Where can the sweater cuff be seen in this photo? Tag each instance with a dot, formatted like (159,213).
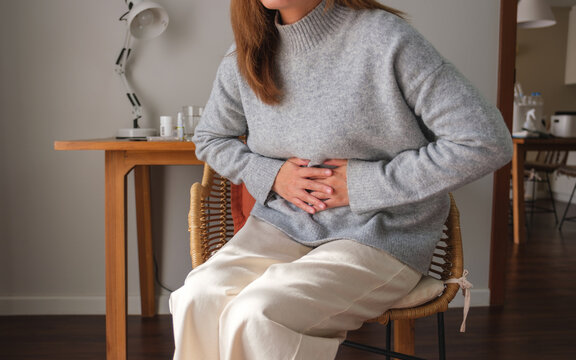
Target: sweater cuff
(260,177)
(362,181)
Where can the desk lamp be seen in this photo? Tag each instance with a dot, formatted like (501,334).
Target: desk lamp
(144,20)
(534,14)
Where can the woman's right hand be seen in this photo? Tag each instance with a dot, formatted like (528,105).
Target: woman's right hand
(294,183)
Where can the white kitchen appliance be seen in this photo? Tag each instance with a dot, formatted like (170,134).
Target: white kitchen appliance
(563,124)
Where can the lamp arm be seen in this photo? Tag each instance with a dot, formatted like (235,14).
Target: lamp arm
(121,62)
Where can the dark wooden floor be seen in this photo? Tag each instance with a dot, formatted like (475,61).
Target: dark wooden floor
(538,320)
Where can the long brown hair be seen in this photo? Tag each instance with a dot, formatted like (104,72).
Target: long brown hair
(256,39)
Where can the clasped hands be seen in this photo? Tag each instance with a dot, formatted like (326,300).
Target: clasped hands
(313,189)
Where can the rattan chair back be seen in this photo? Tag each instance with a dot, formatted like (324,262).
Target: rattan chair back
(547,160)
(210,217)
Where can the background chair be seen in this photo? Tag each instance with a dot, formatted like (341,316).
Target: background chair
(216,204)
(570,171)
(546,162)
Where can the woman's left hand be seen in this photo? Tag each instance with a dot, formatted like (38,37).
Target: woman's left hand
(338,182)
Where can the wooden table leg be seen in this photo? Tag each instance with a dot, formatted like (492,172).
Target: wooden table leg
(404,336)
(145,251)
(115,255)
(518,194)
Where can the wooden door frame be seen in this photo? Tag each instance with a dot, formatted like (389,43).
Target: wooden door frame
(501,187)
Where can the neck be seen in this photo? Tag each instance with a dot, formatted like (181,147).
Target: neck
(290,15)
(312,29)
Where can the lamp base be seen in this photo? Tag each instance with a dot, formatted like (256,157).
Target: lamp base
(137,134)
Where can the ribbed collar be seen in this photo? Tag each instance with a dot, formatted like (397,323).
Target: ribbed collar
(312,29)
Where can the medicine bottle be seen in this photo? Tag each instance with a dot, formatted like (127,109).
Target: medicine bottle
(166,126)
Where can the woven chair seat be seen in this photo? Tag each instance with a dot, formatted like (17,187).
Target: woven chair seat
(547,160)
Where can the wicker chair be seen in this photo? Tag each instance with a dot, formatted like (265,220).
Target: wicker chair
(211,226)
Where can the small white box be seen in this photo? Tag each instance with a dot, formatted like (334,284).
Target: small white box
(563,125)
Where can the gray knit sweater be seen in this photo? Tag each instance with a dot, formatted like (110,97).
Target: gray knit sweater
(361,85)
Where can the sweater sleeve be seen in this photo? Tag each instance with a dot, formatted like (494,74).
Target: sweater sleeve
(217,137)
(470,140)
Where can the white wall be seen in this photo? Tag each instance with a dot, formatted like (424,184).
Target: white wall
(58,82)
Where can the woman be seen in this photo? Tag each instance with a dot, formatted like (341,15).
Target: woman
(357,130)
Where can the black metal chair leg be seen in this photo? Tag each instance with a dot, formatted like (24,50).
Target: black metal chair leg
(390,354)
(567,207)
(533,201)
(552,198)
(441,337)
(388,338)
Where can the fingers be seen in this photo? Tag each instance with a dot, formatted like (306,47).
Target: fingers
(311,205)
(309,194)
(312,189)
(315,173)
(331,201)
(336,162)
(321,195)
(316,186)
(299,162)
(338,182)
(307,202)
(293,183)
(335,202)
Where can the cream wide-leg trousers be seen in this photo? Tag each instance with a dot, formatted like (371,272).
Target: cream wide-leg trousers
(264,296)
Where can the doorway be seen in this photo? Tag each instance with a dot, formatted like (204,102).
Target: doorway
(506,80)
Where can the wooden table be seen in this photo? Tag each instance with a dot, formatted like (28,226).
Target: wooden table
(521,146)
(121,156)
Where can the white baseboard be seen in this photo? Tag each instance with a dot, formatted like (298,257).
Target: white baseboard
(95,305)
(478,297)
(71,305)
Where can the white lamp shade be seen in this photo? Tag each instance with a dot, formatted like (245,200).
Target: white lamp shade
(147,20)
(534,14)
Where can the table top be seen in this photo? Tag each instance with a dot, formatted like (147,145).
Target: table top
(545,141)
(122,144)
